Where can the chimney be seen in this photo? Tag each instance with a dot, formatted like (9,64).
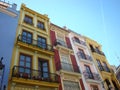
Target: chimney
(14,6)
(64,27)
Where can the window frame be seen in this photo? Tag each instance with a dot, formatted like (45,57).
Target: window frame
(26,40)
(26,55)
(41,43)
(90,74)
(40,25)
(77,39)
(82,55)
(28,18)
(41,72)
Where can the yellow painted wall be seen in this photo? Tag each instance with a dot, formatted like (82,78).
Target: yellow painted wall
(35,54)
(102,58)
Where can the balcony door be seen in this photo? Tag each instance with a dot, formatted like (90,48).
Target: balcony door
(26,37)
(106,67)
(100,65)
(25,63)
(43,68)
(88,71)
(65,61)
(82,54)
(41,42)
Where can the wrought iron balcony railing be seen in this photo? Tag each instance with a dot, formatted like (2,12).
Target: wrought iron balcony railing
(28,73)
(98,52)
(34,43)
(93,76)
(62,43)
(104,68)
(80,42)
(85,57)
(67,67)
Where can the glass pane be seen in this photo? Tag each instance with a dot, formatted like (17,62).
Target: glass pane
(21,69)
(22,57)
(21,63)
(29,35)
(45,75)
(44,64)
(24,33)
(27,70)
(27,64)
(45,69)
(28,59)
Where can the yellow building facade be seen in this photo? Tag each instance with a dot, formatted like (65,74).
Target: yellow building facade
(32,64)
(109,80)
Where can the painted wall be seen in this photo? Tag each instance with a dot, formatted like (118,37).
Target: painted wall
(8,25)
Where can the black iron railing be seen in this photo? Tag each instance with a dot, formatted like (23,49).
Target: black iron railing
(28,73)
(93,76)
(85,57)
(34,43)
(67,67)
(62,43)
(104,68)
(98,52)
(80,42)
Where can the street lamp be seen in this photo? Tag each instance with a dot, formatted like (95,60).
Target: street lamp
(2,67)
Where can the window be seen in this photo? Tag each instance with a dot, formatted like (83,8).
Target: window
(60,40)
(25,63)
(69,85)
(41,42)
(106,67)
(88,71)
(41,25)
(97,50)
(91,47)
(43,68)
(27,37)
(66,62)
(82,54)
(77,39)
(99,65)
(94,87)
(28,20)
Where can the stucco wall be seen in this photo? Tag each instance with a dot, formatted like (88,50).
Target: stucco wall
(8,25)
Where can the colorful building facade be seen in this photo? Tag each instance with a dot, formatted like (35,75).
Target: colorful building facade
(32,64)
(90,75)
(8,24)
(65,61)
(118,73)
(109,79)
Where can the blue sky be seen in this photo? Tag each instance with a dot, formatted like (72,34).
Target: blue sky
(97,19)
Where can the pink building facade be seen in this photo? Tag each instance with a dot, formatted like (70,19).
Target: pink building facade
(90,76)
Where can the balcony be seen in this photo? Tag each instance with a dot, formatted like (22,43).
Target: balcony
(79,42)
(62,43)
(93,76)
(84,57)
(104,68)
(33,44)
(98,52)
(67,67)
(31,74)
